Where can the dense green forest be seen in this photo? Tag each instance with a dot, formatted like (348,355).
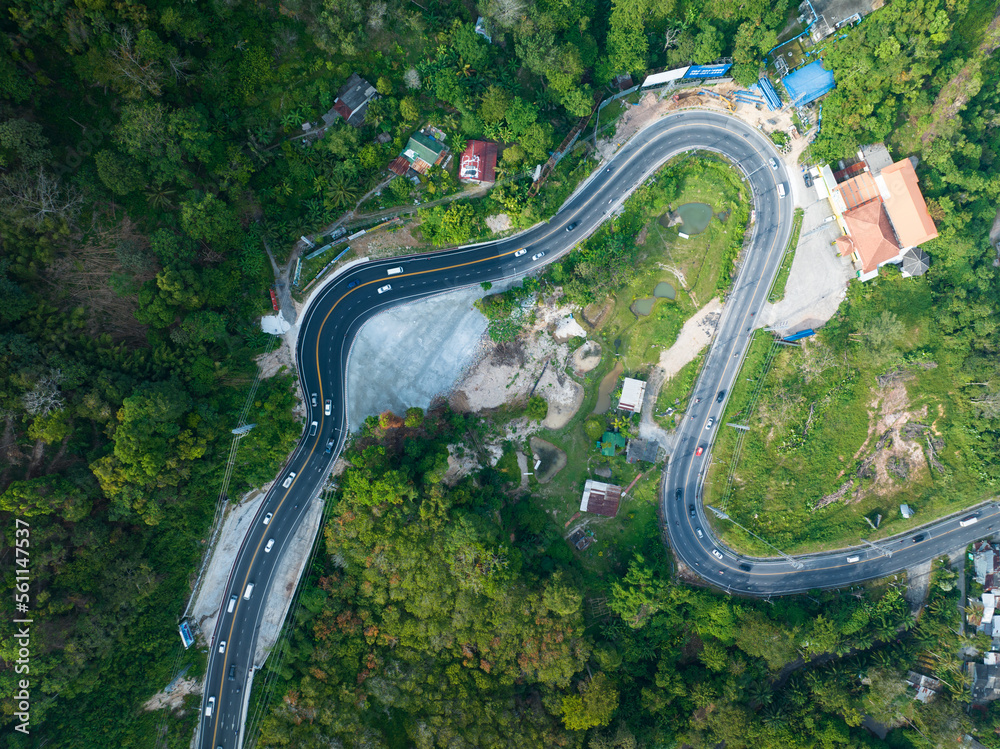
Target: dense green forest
(458,616)
(146,158)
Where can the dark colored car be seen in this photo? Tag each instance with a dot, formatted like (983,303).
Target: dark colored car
(745,567)
(572,226)
(720,396)
(353,283)
(691,510)
(232,672)
(679,494)
(918,538)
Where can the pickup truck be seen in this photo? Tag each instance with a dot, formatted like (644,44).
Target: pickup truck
(329,447)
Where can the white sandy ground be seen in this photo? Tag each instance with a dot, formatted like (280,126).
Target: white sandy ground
(536,364)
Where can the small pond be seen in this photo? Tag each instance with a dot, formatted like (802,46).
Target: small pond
(694,217)
(607,387)
(642,307)
(664,290)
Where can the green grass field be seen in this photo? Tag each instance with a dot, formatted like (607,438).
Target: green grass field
(824,421)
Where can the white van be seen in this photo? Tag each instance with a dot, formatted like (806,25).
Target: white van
(781,189)
(232,604)
(852,560)
(249,592)
(312,428)
(395,271)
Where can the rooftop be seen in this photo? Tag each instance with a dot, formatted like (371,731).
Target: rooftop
(870,236)
(478,162)
(858,190)
(906,206)
(600,498)
(632,394)
(352,101)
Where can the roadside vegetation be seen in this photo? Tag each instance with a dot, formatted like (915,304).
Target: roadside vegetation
(147,153)
(878,410)
(778,288)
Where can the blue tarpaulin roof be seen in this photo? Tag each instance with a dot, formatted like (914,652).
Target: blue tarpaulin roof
(808,83)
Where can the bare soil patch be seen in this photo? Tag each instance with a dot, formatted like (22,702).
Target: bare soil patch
(899,448)
(594,314)
(535,363)
(586,358)
(173,699)
(694,336)
(388,242)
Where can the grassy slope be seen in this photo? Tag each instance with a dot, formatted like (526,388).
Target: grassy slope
(785,469)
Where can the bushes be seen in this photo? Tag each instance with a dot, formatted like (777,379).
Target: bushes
(538,408)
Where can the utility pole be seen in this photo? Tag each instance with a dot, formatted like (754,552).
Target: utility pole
(788,558)
(883,550)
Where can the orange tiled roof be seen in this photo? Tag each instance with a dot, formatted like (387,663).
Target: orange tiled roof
(871,235)
(858,190)
(906,206)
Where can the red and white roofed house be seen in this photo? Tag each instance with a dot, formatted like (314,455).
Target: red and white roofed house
(881,209)
(600,498)
(478,162)
(632,395)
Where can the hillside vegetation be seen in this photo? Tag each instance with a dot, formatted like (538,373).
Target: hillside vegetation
(150,155)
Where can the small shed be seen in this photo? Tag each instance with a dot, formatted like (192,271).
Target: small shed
(600,498)
(905,511)
(633,392)
(610,443)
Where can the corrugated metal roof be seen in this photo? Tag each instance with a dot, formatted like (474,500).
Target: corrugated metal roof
(600,498)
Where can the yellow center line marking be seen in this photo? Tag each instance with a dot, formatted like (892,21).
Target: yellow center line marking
(320,387)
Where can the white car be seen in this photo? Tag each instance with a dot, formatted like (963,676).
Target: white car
(538,256)
(267,518)
(699,533)
(222,646)
(327,407)
(270,545)
(383,289)
(711,420)
(774,165)
(717,554)
(314,400)
(520,252)
(288,481)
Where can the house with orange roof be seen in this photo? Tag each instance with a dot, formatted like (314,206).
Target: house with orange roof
(882,211)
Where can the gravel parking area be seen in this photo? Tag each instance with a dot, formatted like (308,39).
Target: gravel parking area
(818,280)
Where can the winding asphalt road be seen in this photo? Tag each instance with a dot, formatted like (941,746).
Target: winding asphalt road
(338,312)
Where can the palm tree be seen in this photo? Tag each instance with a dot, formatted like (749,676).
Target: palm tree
(341,193)
(159,196)
(774,717)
